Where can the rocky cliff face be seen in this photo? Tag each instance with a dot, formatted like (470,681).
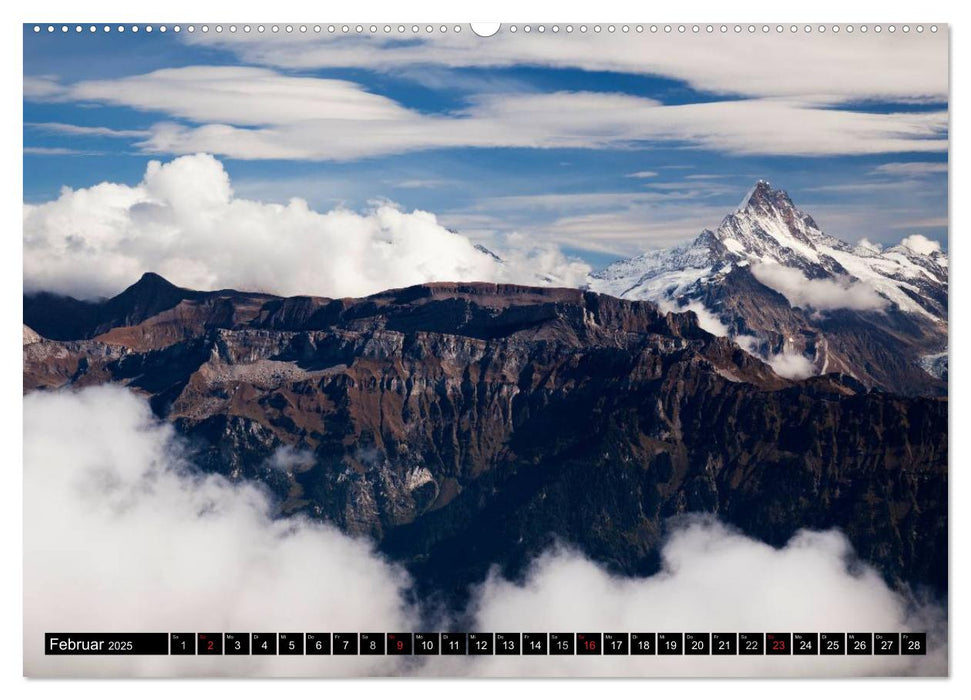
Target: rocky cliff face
(466,425)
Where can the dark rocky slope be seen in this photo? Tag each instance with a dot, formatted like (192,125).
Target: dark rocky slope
(465,425)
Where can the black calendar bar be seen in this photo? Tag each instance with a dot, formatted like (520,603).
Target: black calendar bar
(487,643)
(98,644)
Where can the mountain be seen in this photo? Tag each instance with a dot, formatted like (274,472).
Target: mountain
(60,318)
(469,425)
(804,301)
(31,336)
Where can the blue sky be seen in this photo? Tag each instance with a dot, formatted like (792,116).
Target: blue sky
(603,146)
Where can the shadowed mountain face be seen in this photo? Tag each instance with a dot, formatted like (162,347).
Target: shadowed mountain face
(466,425)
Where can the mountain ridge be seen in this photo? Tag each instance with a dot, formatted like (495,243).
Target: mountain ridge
(804,283)
(463,425)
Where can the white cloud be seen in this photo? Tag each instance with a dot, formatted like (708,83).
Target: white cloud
(55,151)
(287,458)
(922,245)
(121,535)
(707,320)
(856,188)
(240,95)
(76,130)
(788,363)
(875,66)
(416,184)
(631,229)
(643,174)
(819,294)
(616,222)
(184,222)
(574,120)
(869,245)
(258,113)
(42,87)
(929,222)
(879,215)
(712,579)
(791,364)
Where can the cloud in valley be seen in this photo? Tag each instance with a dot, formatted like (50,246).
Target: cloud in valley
(712,579)
(791,364)
(788,362)
(707,320)
(819,294)
(184,222)
(121,534)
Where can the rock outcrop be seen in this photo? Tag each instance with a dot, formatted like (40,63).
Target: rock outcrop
(467,425)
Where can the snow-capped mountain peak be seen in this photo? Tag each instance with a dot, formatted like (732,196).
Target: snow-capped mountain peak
(763,197)
(783,251)
(768,229)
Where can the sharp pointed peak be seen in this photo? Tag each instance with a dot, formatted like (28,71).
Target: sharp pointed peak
(763,196)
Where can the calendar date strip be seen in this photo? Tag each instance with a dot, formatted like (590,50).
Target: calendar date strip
(487,643)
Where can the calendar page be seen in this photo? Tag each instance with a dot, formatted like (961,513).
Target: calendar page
(494,350)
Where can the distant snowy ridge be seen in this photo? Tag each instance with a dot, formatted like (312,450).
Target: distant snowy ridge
(767,229)
(901,291)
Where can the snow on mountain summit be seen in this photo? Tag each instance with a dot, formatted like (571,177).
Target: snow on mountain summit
(801,300)
(767,229)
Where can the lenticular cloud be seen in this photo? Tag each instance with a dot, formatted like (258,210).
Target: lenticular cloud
(184,222)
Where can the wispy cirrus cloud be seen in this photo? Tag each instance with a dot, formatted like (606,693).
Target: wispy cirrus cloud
(388,116)
(79,130)
(856,219)
(256,113)
(56,151)
(42,87)
(936,222)
(828,66)
(418,183)
(914,169)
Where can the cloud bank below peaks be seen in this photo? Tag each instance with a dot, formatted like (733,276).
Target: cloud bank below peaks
(184,222)
(712,579)
(818,294)
(122,534)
